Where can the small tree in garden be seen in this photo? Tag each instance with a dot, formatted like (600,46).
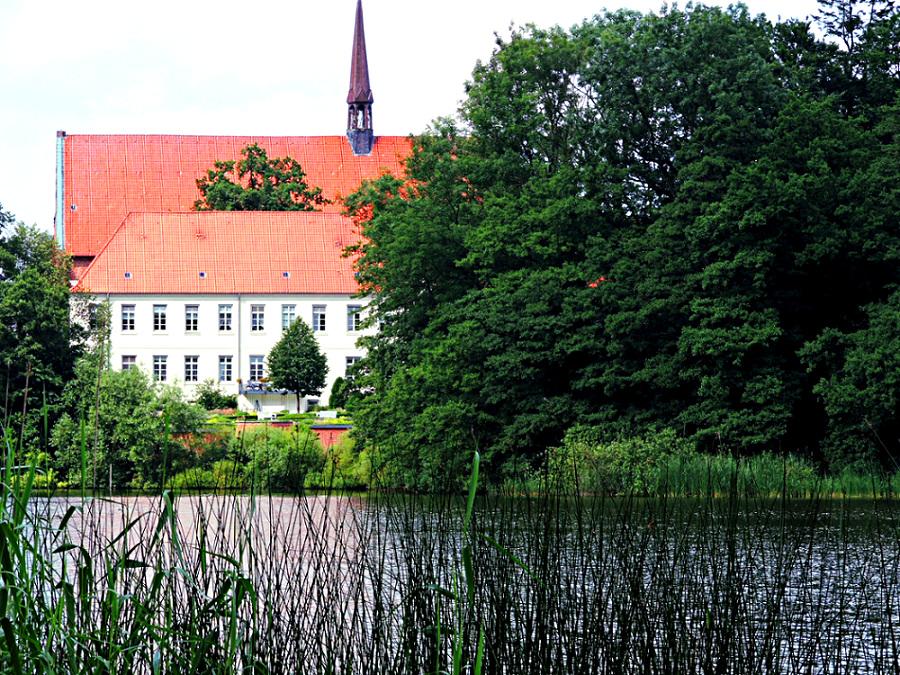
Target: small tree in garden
(296,363)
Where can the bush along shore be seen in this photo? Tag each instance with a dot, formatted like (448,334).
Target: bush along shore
(551,582)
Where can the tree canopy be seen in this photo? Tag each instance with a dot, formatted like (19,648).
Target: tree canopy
(131,429)
(39,341)
(257,183)
(296,363)
(686,220)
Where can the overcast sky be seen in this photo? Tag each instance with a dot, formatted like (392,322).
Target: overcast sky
(279,67)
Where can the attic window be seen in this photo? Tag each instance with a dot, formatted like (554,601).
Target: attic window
(127,275)
(202,275)
(286,275)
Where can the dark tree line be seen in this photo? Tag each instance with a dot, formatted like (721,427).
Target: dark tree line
(39,342)
(686,220)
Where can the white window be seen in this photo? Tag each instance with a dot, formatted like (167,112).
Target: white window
(288,314)
(354,317)
(224,317)
(127,317)
(159,317)
(318,322)
(257,317)
(225,369)
(349,363)
(191,316)
(256,368)
(190,368)
(129,362)
(159,368)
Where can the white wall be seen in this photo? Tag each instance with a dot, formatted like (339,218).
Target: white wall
(208,343)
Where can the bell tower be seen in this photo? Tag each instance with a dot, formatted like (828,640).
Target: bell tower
(359,99)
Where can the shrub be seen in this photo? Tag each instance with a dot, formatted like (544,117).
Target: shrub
(590,462)
(344,467)
(221,475)
(279,459)
(211,396)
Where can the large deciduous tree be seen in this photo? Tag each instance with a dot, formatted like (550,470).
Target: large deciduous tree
(257,183)
(687,220)
(296,363)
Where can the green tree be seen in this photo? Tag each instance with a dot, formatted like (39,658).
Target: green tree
(646,222)
(860,388)
(296,363)
(119,423)
(6,258)
(39,338)
(489,268)
(339,393)
(257,183)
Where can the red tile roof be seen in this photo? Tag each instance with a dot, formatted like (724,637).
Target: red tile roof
(237,251)
(108,177)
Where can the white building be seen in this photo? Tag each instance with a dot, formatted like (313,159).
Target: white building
(206,295)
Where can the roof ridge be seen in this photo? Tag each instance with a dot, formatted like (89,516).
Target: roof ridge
(251,136)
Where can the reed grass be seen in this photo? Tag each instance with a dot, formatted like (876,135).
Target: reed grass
(659,467)
(547,583)
(743,576)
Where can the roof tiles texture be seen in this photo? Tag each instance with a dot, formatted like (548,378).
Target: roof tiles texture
(109,176)
(225,252)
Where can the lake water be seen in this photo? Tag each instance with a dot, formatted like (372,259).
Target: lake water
(558,585)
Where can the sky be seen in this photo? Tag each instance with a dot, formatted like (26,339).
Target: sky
(279,67)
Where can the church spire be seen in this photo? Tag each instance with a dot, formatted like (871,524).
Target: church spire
(359,98)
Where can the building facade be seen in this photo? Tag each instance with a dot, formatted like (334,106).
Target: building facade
(206,295)
(187,339)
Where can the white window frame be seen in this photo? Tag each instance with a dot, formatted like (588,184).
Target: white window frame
(191,318)
(288,316)
(160,368)
(128,312)
(226,372)
(257,318)
(318,318)
(225,314)
(354,318)
(159,318)
(257,368)
(191,368)
(129,361)
(348,362)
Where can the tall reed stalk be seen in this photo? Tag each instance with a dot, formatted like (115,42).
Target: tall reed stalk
(387,583)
